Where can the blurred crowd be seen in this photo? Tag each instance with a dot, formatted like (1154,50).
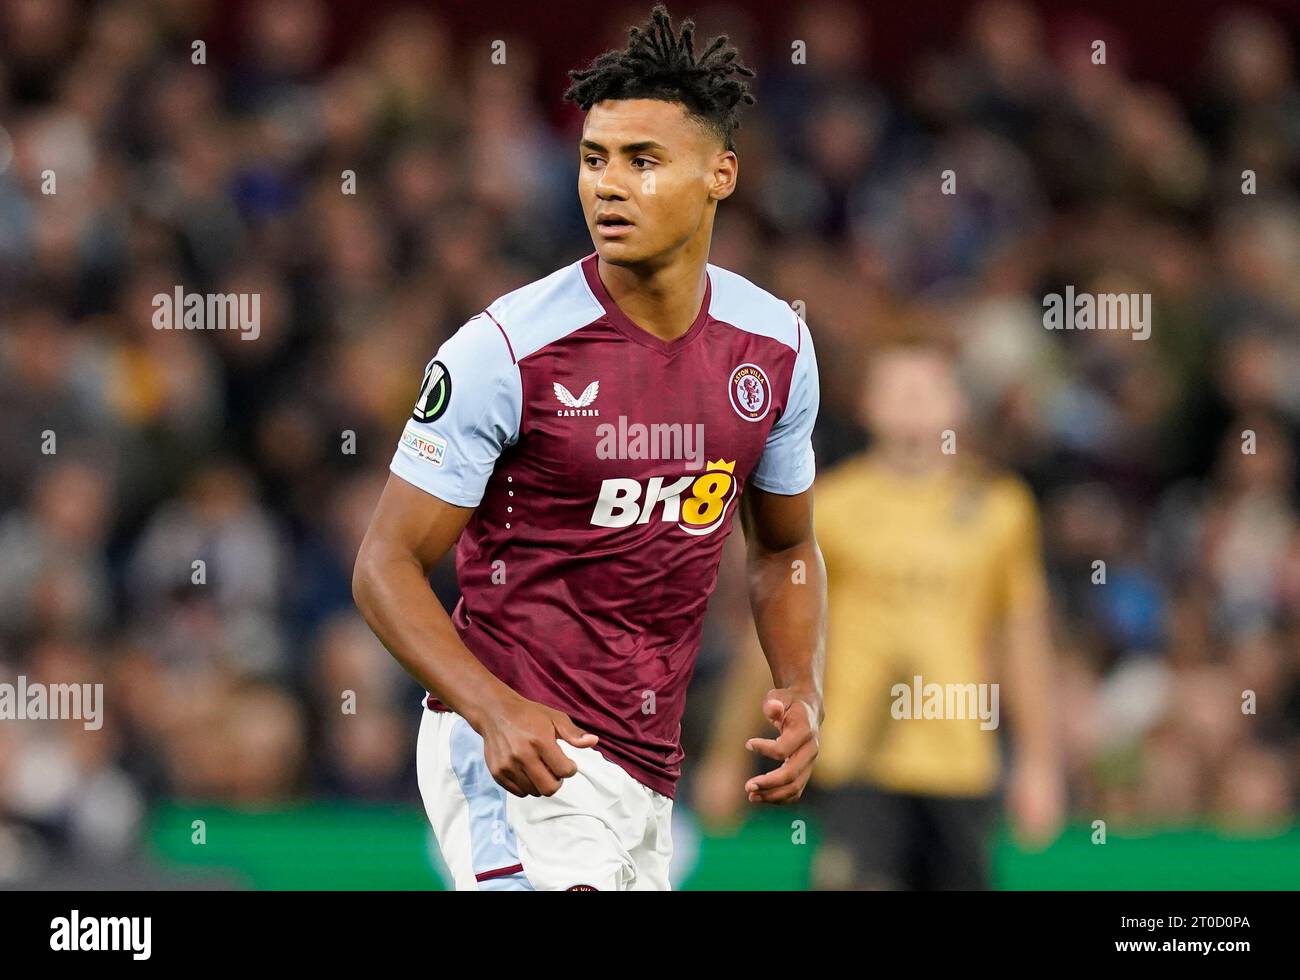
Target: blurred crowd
(263,459)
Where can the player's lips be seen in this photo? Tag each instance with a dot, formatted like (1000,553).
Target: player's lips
(613,225)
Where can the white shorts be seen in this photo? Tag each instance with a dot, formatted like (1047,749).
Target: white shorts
(601,830)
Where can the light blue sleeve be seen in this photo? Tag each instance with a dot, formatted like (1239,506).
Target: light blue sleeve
(788,465)
(467,412)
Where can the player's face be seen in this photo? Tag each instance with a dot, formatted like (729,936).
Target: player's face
(649,177)
(912,396)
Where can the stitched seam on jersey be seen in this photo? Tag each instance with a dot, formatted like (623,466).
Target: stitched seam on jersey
(518,362)
(599,315)
(789,395)
(794,363)
(519,365)
(789,385)
(793,348)
(500,383)
(523,400)
(519,421)
(509,346)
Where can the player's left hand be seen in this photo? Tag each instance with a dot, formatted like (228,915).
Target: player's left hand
(795,747)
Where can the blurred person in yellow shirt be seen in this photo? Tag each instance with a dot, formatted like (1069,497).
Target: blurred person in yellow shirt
(938,622)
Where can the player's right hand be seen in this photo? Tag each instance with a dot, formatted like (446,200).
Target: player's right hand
(521,746)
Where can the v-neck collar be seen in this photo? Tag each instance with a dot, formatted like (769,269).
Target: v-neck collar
(624,324)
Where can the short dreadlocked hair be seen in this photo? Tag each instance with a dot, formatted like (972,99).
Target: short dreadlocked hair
(659,63)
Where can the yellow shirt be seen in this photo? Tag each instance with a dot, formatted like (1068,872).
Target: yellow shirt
(921,571)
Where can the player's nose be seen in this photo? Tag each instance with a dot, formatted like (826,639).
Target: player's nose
(609,187)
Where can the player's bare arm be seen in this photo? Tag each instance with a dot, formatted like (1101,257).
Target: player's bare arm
(787,591)
(1036,788)
(409,533)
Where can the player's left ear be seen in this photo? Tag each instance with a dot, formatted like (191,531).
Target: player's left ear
(722,176)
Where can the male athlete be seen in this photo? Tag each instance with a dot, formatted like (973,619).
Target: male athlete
(587,440)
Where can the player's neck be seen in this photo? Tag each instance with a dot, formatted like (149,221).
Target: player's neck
(663,301)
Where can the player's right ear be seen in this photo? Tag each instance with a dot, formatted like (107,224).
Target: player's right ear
(726,171)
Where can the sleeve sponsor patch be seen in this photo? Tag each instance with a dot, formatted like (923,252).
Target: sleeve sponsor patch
(425,445)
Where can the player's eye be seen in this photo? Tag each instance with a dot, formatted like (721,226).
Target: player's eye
(642,160)
(592,161)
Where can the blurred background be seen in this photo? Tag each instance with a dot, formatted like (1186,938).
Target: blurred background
(223,700)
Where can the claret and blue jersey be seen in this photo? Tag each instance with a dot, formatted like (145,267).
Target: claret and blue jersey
(605,466)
